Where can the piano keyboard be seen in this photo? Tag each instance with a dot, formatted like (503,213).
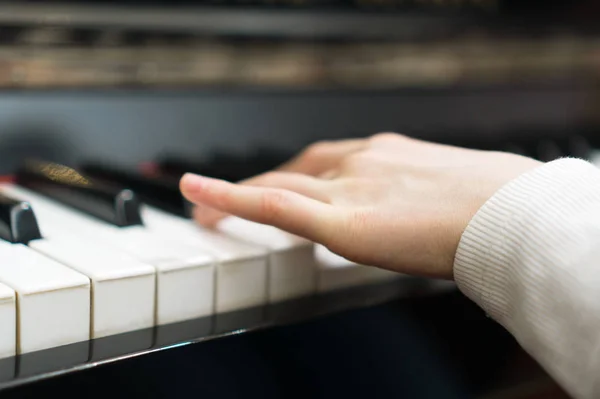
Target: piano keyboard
(84,258)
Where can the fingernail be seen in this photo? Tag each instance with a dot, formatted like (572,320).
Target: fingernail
(190,181)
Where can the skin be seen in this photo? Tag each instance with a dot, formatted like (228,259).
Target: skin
(388,200)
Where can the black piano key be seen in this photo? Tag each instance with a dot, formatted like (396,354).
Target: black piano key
(548,150)
(270,158)
(514,148)
(161,192)
(233,167)
(176,168)
(578,146)
(265,159)
(110,203)
(536,147)
(226,165)
(18,223)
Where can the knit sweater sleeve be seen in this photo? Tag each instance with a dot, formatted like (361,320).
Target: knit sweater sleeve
(530,258)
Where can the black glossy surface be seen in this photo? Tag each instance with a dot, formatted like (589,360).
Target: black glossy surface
(160,192)
(33,367)
(18,223)
(115,205)
(417,346)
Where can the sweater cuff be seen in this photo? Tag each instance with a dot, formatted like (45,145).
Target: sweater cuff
(486,265)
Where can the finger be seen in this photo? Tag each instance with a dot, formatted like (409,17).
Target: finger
(330,174)
(298,183)
(317,159)
(283,209)
(302,184)
(207,216)
(320,157)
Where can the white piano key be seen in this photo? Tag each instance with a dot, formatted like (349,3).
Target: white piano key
(241,276)
(123,288)
(292,268)
(8,321)
(336,272)
(184,275)
(53,301)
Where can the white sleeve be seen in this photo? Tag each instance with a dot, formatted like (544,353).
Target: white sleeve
(530,258)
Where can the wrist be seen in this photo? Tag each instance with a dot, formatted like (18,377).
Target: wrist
(491,247)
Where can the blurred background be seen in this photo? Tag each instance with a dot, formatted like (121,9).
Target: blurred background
(241,84)
(133,81)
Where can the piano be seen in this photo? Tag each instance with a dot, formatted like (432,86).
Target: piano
(108,286)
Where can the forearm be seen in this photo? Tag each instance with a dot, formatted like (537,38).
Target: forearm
(531,259)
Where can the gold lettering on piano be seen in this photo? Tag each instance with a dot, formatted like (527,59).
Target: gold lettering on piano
(63,174)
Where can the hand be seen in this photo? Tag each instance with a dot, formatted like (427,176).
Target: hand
(387,201)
